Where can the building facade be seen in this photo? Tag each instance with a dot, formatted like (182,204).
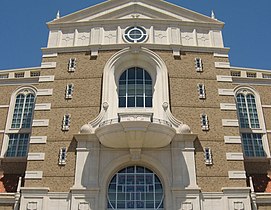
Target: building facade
(135,106)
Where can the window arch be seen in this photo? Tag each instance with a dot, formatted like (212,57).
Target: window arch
(247,110)
(135,88)
(135,187)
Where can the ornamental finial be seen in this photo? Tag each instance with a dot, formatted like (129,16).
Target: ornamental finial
(57,15)
(213,15)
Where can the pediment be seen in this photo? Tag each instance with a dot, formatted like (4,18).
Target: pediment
(129,9)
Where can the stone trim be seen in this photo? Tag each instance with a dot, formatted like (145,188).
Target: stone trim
(2,131)
(222,65)
(263,106)
(232,139)
(38,139)
(228,106)
(33,174)
(43,107)
(49,78)
(48,65)
(49,55)
(223,78)
(230,122)
(221,55)
(36,156)
(45,92)
(226,92)
(40,123)
(4,106)
(235,156)
(237,174)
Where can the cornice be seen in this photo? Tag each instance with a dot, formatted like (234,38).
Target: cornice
(122,46)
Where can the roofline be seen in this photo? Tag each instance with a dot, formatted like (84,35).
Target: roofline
(19,69)
(249,69)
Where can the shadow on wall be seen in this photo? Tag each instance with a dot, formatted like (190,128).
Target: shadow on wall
(261,182)
(9,183)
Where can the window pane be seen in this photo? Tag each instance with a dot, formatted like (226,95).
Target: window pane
(131,102)
(148,102)
(139,102)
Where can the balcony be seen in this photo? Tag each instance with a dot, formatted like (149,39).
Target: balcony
(135,130)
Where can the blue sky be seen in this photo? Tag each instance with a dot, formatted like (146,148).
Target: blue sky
(24,32)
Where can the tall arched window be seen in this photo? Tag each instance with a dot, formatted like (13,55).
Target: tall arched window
(135,187)
(23,110)
(135,88)
(247,111)
(19,127)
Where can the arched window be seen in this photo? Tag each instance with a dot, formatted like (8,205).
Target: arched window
(247,111)
(135,187)
(23,110)
(135,88)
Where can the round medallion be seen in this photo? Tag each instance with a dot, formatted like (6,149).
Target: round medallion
(135,34)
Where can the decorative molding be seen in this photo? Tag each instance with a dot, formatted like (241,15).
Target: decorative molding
(36,156)
(38,139)
(45,92)
(224,78)
(49,55)
(237,174)
(33,174)
(40,123)
(226,92)
(221,55)
(48,65)
(222,65)
(232,139)
(4,106)
(49,78)
(227,106)
(43,107)
(263,106)
(235,156)
(2,131)
(230,122)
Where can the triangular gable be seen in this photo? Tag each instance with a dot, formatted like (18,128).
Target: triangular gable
(126,9)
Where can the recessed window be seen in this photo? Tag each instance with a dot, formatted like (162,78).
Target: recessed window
(247,110)
(198,65)
(251,74)
(204,122)
(252,144)
(34,74)
(18,145)
(66,122)
(19,75)
(135,187)
(72,65)
(201,91)
(23,111)
(135,88)
(62,156)
(267,76)
(69,91)
(3,76)
(235,73)
(135,34)
(208,156)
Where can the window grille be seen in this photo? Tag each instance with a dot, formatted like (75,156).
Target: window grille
(62,156)
(69,91)
(204,122)
(208,156)
(201,91)
(72,65)
(66,122)
(198,65)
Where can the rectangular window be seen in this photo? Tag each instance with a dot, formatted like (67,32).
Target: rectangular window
(204,122)
(267,76)
(253,145)
(72,65)
(34,74)
(198,65)
(66,122)
(19,75)
(251,74)
(69,91)
(18,145)
(235,73)
(62,156)
(208,156)
(3,76)
(201,91)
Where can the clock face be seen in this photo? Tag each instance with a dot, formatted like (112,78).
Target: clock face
(135,34)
